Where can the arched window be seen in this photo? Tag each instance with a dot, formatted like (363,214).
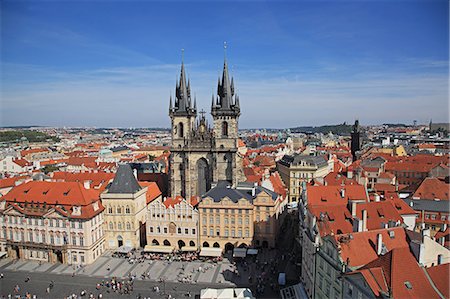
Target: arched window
(128,226)
(119,210)
(166,243)
(224,129)
(180,130)
(179,230)
(119,225)
(111,227)
(191,243)
(127,210)
(110,210)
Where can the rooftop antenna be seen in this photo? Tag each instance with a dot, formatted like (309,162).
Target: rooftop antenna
(225,50)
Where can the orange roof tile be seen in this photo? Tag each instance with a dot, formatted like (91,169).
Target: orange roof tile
(433,188)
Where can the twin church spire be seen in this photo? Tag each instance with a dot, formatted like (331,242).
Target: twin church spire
(224,103)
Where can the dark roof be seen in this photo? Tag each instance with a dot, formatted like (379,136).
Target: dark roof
(316,161)
(124,182)
(428,205)
(119,149)
(223,189)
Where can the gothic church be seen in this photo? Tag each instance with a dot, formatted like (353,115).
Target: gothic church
(200,154)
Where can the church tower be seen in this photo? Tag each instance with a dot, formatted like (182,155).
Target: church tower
(225,110)
(356,142)
(201,155)
(182,114)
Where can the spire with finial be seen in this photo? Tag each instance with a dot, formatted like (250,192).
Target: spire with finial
(226,104)
(183,102)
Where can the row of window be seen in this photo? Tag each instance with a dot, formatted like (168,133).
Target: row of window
(180,231)
(41,222)
(434,217)
(226,211)
(118,210)
(226,232)
(41,237)
(119,226)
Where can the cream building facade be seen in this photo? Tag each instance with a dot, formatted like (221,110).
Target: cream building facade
(300,168)
(125,210)
(244,216)
(173,222)
(52,222)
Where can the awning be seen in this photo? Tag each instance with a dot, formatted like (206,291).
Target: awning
(158,248)
(124,249)
(3,254)
(189,248)
(210,251)
(240,252)
(252,251)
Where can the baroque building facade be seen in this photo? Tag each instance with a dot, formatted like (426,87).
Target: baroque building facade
(200,154)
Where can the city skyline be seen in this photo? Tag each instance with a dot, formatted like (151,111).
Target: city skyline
(110,64)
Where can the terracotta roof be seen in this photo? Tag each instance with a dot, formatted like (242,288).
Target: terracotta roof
(379,213)
(440,277)
(11,182)
(337,179)
(331,195)
(59,195)
(433,188)
(98,180)
(22,162)
(332,219)
(152,190)
(24,153)
(359,248)
(171,202)
(405,278)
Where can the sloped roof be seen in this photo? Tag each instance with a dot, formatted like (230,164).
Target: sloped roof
(433,188)
(440,277)
(124,182)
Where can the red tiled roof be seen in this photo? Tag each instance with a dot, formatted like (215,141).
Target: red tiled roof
(99,180)
(11,182)
(55,194)
(433,188)
(378,213)
(405,278)
(336,179)
(24,153)
(152,190)
(22,162)
(440,277)
(331,195)
(360,248)
(171,202)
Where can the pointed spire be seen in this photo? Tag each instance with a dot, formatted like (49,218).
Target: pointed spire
(170,104)
(237,104)
(195,102)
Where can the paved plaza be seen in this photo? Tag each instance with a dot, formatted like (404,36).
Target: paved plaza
(179,277)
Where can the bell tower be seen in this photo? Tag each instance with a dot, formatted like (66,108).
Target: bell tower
(225,111)
(182,114)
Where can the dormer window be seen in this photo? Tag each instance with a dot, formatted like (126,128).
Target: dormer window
(76,211)
(95,206)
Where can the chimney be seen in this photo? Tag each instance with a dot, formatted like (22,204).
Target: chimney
(353,208)
(135,174)
(379,244)
(87,184)
(377,197)
(364,220)
(426,233)
(342,192)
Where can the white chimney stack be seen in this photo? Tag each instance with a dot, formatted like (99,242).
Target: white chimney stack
(342,192)
(364,220)
(353,206)
(135,173)
(87,184)
(377,197)
(379,243)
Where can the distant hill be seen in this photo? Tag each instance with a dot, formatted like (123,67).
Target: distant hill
(31,136)
(342,129)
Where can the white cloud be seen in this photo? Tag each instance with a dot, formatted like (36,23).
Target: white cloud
(139,97)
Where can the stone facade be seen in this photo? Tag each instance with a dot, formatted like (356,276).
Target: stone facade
(200,154)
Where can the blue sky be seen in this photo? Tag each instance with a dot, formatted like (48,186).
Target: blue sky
(114,63)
